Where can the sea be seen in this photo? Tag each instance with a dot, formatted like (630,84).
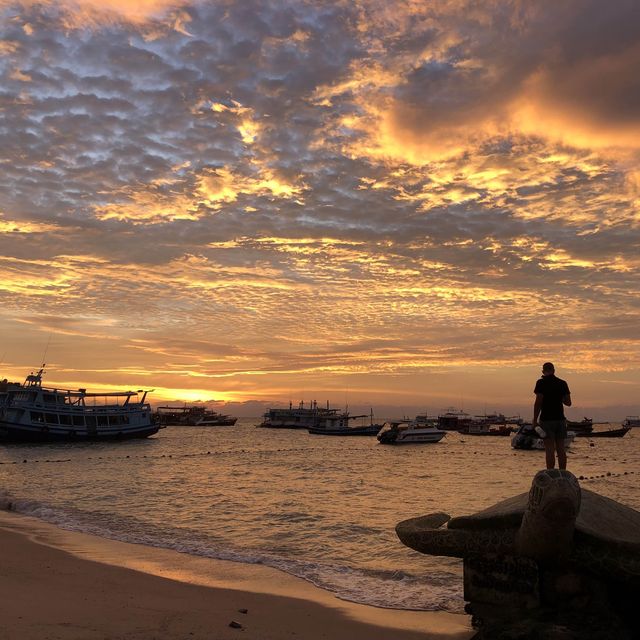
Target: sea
(318,507)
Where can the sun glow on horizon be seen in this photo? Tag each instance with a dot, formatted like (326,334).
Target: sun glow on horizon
(380,197)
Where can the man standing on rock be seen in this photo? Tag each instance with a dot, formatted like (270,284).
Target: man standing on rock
(551,394)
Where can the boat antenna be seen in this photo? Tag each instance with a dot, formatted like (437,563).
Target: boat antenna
(46,349)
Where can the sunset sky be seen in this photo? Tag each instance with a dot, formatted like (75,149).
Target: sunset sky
(407,204)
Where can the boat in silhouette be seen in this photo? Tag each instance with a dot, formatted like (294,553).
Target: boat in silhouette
(338,425)
(302,417)
(196,416)
(608,433)
(30,412)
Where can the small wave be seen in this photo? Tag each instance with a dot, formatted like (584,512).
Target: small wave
(438,591)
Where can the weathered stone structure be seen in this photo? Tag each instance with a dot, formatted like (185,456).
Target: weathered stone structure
(557,562)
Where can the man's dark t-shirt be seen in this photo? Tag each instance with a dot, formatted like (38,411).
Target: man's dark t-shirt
(553,390)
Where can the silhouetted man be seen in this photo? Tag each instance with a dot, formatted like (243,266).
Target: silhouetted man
(551,394)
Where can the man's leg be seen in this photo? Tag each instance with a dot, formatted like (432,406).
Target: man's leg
(549,449)
(562,454)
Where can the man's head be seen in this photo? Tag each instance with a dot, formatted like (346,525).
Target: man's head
(548,369)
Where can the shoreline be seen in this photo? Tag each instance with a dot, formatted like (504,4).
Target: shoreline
(68,585)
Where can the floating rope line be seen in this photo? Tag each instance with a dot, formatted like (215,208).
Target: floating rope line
(175,456)
(606,475)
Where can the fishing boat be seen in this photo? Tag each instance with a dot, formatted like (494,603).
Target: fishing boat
(581,428)
(302,417)
(30,412)
(526,438)
(409,432)
(607,433)
(197,416)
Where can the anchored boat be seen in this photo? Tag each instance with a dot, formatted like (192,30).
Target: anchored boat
(338,425)
(409,432)
(193,416)
(30,412)
(608,433)
(526,438)
(303,417)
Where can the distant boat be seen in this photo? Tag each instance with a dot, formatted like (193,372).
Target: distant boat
(366,430)
(526,438)
(409,432)
(338,425)
(486,429)
(30,412)
(196,416)
(454,420)
(583,427)
(302,417)
(631,421)
(608,433)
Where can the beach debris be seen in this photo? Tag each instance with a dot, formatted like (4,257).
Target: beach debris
(243,610)
(235,625)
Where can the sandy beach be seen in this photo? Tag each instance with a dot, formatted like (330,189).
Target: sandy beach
(56,584)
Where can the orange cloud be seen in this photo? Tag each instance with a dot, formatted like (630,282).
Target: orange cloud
(81,12)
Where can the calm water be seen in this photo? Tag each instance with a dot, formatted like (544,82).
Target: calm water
(322,508)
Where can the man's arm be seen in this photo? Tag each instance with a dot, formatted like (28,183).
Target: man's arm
(537,406)
(566,400)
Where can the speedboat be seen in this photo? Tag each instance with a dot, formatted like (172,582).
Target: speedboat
(409,432)
(526,438)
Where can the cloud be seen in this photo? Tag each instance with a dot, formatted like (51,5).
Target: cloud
(79,13)
(257,194)
(561,72)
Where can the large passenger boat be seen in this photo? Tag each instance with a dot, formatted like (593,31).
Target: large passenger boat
(338,425)
(30,412)
(302,417)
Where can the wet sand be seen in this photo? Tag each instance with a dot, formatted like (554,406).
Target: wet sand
(62,585)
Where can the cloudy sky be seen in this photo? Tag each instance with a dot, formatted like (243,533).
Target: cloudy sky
(399,203)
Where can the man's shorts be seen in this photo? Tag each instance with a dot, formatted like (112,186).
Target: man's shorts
(554,428)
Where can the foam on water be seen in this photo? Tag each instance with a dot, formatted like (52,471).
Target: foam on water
(323,509)
(388,589)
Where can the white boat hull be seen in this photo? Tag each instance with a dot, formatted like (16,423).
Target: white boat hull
(411,435)
(520,441)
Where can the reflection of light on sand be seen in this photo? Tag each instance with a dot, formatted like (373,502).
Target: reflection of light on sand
(221,574)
